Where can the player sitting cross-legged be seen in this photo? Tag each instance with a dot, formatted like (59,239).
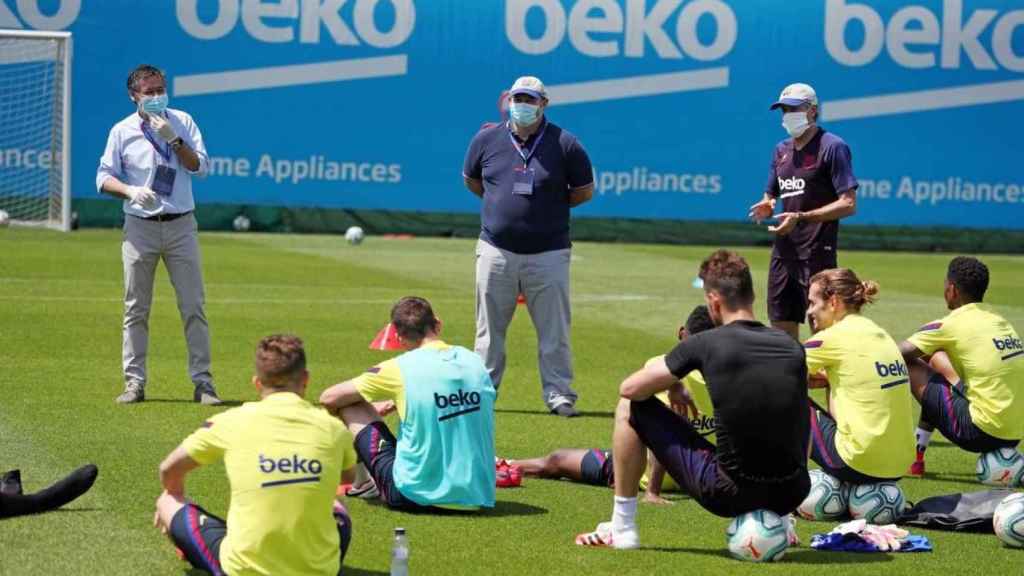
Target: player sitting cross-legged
(757,380)
(284,458)
(444,453)
(594,466)
(865,435)
(983,409)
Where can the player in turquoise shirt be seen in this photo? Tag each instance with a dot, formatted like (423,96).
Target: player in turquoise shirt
(445,401)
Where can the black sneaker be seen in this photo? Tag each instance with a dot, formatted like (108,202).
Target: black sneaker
(206,395)
(10,483)
(565,411)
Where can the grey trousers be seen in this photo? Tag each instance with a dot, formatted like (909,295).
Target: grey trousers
(177,242)
(544,280)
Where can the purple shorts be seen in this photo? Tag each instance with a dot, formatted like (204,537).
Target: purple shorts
(596,468)
(788,283)
(692,462)
(946,407)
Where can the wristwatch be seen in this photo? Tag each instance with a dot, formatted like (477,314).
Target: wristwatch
(177,143)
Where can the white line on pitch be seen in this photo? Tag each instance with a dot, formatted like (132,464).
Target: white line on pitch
(291,75)
(635,86)
(923,100)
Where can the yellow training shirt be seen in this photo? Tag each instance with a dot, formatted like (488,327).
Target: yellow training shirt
(987,354)
(870,388)
(284,459)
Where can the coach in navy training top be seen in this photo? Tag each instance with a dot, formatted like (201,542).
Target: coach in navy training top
(529,173)
(812,173)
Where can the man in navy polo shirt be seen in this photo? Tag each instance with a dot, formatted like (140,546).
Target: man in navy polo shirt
(529,173)
(812,173)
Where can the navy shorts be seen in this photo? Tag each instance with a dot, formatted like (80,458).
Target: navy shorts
(824,453)
(946,407)
(788,283)
(692,462)
(596,468)
(199,534)
(376,446)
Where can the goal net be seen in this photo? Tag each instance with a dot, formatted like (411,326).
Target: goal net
(35,127)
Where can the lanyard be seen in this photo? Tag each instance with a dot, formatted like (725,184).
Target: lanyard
(165,151)
(528,154)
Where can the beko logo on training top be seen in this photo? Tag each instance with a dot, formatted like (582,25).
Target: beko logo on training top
(1008,343)
(310,469)
(792,184)
(31,14)
(916,37)
(460,399)
(288,20)
(894,369)
(601,28)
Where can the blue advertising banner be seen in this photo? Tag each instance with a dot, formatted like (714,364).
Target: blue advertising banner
(370,104)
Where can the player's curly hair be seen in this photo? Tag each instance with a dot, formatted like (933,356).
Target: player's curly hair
(143,71)
(699,320)
(280,360)
(412,318)
(728,274)
(842,282)
(970,276)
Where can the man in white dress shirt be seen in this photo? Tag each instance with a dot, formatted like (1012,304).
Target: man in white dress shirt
(149,162)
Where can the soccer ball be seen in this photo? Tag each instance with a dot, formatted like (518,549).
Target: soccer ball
(1003,467)
(241,223)
(758,536)
(826,500)
(880,503)
(354,235)
(5,218)
(1008,521)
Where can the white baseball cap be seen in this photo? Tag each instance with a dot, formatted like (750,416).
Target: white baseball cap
(528,85)
(796,95)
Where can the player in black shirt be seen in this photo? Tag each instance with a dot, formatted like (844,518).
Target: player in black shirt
(757,379)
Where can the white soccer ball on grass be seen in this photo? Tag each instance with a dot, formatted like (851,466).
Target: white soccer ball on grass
(1008,521)
(880,503)
(758,536)
(826,500)
(241,223)
(5,218)
(354,235)
(1003,467)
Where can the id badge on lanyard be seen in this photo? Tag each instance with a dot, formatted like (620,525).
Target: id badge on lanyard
(522,182)
(523,176)
(163,179)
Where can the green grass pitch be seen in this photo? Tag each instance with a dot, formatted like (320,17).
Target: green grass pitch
(60,328)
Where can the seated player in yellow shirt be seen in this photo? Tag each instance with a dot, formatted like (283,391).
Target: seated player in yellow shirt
(594,466)
(865,435)
(284,458)
(978,404)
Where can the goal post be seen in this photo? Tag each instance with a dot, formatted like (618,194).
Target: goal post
(35,138)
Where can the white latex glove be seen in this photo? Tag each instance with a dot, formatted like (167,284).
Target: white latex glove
(142,196)
(161,126)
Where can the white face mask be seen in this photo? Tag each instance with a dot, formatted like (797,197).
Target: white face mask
(795,123)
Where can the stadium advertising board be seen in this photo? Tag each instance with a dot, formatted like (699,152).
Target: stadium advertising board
(370,104)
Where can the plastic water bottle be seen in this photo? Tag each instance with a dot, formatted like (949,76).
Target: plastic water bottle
(400,554)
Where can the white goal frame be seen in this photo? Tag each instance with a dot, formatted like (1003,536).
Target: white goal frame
(58,218)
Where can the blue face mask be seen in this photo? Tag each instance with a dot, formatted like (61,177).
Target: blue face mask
(154,104)
(522,113)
